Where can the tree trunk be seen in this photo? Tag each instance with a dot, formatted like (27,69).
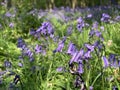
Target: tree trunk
(68,3)
(74,3)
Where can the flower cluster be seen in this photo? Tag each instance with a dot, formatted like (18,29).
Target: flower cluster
(112,61)
(45,30)
(80,24)
(105,17)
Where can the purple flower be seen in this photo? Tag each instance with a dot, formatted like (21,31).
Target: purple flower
(112,59)
(80,68)
(105,60)
(7,64)
(8,14)
(2,73)
(115,88)
(95,25)
(87,55)
(79,55)
(28,52)
(60,46)
(32,32)
(11,25)
(98,33)
(69,30)
(31,59)
(105,17)
(114,64)
(38,49)
(20,64)
(96,43)
(91,88)
(89,47)
(119,63)
(71,49)
(91,33)
(117,18)
(80,24)
(45,29)
(89,16)
(77,82)
(1,81)
(20,43)
(59,69)
(73,58)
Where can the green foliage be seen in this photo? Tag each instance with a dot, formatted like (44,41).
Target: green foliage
(42,74)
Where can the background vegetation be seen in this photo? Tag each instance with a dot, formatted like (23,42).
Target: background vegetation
(59,45)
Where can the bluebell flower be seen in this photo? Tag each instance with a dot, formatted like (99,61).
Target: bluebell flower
(8,14)
(11,25)
(89,16)
(105,60)
(91,33)
(111,59)
(1,82)
(77,82)
(32,31)
(95,25)
(20,64)
(31,59)
(39,30)
(20,43)
(60,46)
(96,43)
(29,53)
(69,30)
(2,73)
(80,68)
(60,69)
(73,58)
(91,88)
(114,64)
(79,55)
(71,49)
(50,30)
(80,24)
(46,30)
(38,48)
(115,88)
(7,64)
(117,18)
(105,17)
(87,55)
(98,33)
(89,47)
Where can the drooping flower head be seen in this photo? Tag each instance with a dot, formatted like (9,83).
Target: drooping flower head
(105,60)
(95,25)
(60,46)
(80,24)
(38,48)
(46,29)
(105,17)
(80,67)
(71,49)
